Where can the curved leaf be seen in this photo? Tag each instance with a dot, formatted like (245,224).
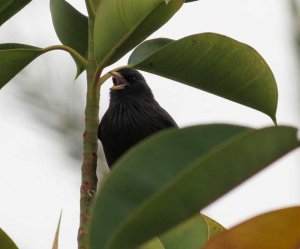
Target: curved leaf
(8,8)
(182,170)
(188,1)
(71,28)
(147,48)
(13,58)
(70,25)
(127,23)
(279,229)
(216,64)
(6,242)
(194,142)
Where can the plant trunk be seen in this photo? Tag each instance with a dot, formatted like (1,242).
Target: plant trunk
(90,145)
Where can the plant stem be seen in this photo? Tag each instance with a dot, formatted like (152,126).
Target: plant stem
(90,145)
(71,51)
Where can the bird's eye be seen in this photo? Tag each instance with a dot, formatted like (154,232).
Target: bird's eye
(114,81)
(133,78)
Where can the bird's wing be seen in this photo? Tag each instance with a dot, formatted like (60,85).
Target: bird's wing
(163,118)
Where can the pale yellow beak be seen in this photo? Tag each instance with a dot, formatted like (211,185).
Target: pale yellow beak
(120,80)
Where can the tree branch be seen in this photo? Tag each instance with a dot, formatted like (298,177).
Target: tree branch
(89,179)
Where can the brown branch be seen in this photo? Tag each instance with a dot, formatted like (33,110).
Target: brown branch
(90,145)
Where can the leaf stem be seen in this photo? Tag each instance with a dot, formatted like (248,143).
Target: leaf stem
(70,50)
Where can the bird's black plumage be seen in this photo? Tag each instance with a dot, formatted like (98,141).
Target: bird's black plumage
(133,115)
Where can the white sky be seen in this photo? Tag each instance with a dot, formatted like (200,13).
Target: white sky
(37,180)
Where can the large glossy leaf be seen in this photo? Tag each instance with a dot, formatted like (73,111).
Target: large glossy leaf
(6,242)
(127,23)
(213,63)
(167,151)
(182,170)
(71,28)
(10,7)
(13,58)
(70,25)
(279,229)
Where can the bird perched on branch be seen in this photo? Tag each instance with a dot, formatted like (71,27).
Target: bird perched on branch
(133,114)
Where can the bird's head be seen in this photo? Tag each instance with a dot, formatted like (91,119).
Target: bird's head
(129,82)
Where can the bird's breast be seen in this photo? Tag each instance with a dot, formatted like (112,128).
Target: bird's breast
(131,119)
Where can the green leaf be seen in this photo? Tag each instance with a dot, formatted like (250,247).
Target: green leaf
(188,1)
(6,242)
(171,157)
(191,234)
(153,244)
(71,28)
(13,58)
(146,49)
(95,4)
(182,170)
(214,227)
(127,23)
(278,229)
(8,8)
(213,63)
(70,25)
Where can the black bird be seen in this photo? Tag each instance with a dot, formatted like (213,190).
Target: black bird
(133,114)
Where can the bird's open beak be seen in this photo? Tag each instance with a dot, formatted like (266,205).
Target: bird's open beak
(121,82)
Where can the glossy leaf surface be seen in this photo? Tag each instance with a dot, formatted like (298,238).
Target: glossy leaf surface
(71,28)
(6,242)
(279,229)
(70,25)
(182,170)
(13,58)
(8,8)
(213,63)
(127,23)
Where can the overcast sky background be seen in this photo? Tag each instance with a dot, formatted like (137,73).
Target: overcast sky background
(39,177)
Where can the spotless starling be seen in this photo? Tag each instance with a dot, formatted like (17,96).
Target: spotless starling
(133,114)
